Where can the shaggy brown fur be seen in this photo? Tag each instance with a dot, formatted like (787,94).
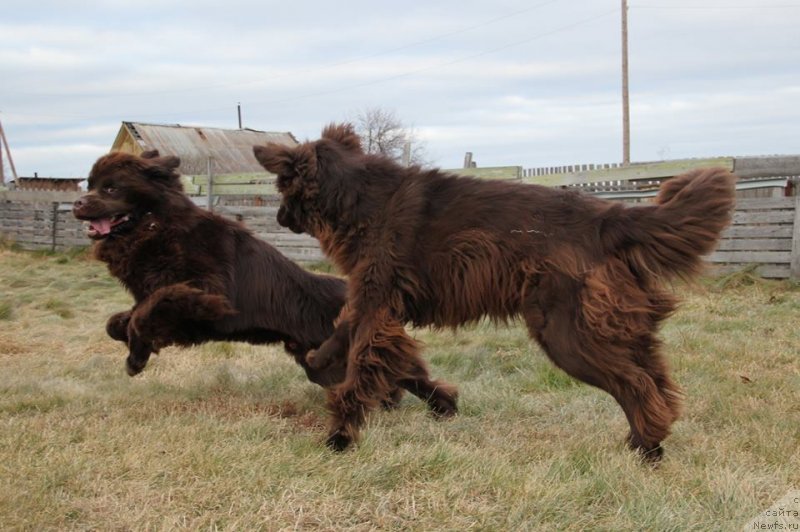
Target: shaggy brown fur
(196,276)
(429,248)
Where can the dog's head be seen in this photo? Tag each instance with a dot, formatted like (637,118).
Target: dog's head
(311,178)
(123,188)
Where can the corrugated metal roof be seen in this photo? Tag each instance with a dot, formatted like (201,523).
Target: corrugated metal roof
(231,149)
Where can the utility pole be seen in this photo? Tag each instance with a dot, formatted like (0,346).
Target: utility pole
(4,144)
(626,116)
(239,111)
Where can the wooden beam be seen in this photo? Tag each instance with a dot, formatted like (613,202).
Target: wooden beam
(44,196)
(489,172)
(758,231)
(755,244)
(773,166)
(4,142)
(751,257)
(794,267)
(255,178)
(771,271)
(763,217)
(634,172)
(240,190)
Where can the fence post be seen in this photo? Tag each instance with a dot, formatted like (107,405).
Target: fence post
(407,153)
(794,267)
(210,197)
(55,226)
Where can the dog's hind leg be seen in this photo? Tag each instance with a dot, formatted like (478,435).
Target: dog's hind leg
(442,398)
(616,353)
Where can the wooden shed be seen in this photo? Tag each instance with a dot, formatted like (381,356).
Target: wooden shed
(230,150)
(62,184)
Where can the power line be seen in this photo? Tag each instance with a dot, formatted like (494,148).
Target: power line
(366,83)
(445,64)
(330,66)
(714,8)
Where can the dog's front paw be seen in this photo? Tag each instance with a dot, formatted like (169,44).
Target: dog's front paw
(139,354)
(133,367)
(338,440)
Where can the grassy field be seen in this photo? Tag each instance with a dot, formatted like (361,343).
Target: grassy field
(229,436)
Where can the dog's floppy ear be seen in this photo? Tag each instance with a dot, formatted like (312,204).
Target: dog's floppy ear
(163,167)
(286,162)
(168,162)
(344,135)
(275,158)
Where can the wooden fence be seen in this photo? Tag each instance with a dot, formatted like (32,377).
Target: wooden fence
(41,220)
(765,232)
(769,176)
(263,222)
(38,220)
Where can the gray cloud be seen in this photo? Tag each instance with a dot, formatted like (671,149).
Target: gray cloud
(529,83)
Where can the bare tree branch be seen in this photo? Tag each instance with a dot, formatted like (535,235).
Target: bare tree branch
(381,131)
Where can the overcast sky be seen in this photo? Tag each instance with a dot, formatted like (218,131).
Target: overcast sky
(530,83)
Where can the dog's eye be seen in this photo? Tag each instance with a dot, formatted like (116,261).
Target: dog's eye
(109,190)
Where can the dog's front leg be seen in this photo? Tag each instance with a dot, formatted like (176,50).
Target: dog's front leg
(138,355)
(168,316)
(381,357)
(138,335)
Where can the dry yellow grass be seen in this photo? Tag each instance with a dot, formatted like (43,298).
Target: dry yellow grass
(229,436)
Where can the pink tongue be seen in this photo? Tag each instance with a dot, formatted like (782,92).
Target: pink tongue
(101,226)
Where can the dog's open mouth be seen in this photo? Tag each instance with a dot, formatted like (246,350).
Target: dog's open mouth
(102,227)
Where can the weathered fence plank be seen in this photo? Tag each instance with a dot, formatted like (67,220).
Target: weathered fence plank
(763,217)
(768,271)
(777,165)
(755,244)
(794,267)
(262,221)
(751,257)
(755,204)
(758,231)
(634,172)
(744,167)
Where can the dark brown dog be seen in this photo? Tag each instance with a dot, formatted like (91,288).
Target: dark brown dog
(196,276)
(434,249)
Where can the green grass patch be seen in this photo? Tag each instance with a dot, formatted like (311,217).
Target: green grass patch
(6,310)
(59,308)
(230,436)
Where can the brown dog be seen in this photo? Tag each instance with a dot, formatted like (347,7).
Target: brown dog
(429,248)
(196,276)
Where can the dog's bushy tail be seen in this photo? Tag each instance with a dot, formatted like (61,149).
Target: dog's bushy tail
(669,239)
